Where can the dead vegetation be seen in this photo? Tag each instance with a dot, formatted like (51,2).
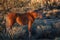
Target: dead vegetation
(22,6)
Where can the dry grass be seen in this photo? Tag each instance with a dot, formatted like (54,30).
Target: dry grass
(20,6)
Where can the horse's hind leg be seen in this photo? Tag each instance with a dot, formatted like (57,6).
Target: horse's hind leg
(9,23)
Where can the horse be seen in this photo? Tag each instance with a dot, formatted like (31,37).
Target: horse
(22,19)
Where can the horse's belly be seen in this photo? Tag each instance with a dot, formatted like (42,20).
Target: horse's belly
(24,20)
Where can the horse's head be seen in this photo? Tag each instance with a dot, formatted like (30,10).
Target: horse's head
(36,14)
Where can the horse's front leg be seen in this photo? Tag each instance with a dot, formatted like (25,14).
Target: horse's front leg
(29,27)
(18,20)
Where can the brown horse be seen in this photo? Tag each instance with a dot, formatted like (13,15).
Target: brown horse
(22,19)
